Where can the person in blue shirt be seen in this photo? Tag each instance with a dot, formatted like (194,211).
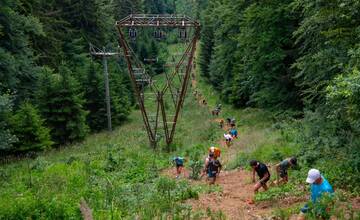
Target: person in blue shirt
(233,133)
(179,163)
(319,186)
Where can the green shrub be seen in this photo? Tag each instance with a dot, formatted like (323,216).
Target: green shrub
(196,163)
(279,192)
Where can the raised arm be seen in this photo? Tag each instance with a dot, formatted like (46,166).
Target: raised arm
(277,168)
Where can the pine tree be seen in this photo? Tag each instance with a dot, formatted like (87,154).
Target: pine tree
(17,70)
(61,105)
(95,98)
(29,128)
(207,40)
(120,96)
(6,137)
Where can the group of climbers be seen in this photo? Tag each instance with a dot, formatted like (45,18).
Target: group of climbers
(318,184)
(213,166)
(199,97)
(264,175)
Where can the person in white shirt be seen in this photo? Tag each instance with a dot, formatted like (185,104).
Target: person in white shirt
(228,138)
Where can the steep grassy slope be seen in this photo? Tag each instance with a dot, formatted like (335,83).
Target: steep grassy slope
(116,173)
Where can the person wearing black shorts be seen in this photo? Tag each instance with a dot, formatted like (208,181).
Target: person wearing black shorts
(179,163)
(263,173)
(282,169)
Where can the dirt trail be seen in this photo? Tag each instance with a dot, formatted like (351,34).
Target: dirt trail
(236,185)
(237,188)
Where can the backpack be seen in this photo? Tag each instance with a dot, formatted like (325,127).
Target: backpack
(213,166)
(179,161)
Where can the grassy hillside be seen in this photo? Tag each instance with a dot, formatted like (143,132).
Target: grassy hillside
(116,173)
(119,175)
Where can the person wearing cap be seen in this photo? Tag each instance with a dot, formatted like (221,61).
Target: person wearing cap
(282,168)
(319,186)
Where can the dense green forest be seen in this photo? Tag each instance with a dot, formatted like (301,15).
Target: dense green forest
(299,59)
(51,89)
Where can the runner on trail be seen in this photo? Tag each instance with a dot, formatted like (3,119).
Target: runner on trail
(263,173)
(228,121)
(282,168)
(179,163)
(217,110)
(221,123)
(212,168)
(228,138)
(319,187)
(232,122)
(233,133)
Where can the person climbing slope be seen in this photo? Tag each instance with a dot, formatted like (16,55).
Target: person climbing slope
(179,163)
(233,133)
(228,138)
(221,123)
(228,121)
(282,169)
(264,176)
(212,168)
(319,187)
(232,122)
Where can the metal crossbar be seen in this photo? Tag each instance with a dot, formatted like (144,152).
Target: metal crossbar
(139,76)
(153,20)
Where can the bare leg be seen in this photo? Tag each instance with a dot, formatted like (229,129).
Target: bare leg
(265,187)
(257,186)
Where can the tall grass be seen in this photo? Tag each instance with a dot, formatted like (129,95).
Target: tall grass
(116,173)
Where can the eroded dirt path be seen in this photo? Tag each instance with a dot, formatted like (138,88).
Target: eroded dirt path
(236,185)
(237,188)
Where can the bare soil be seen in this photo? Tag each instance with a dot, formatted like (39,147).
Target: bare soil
(237,187)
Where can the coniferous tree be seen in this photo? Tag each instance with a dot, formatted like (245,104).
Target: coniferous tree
(29,128)
(95,99)
(6,137)
(120,96)
(61,105)
(207,40)
(17,70)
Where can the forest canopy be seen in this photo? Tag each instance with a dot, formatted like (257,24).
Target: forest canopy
(48,76)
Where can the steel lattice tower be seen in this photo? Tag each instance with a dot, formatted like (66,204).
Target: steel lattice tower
(141,79)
